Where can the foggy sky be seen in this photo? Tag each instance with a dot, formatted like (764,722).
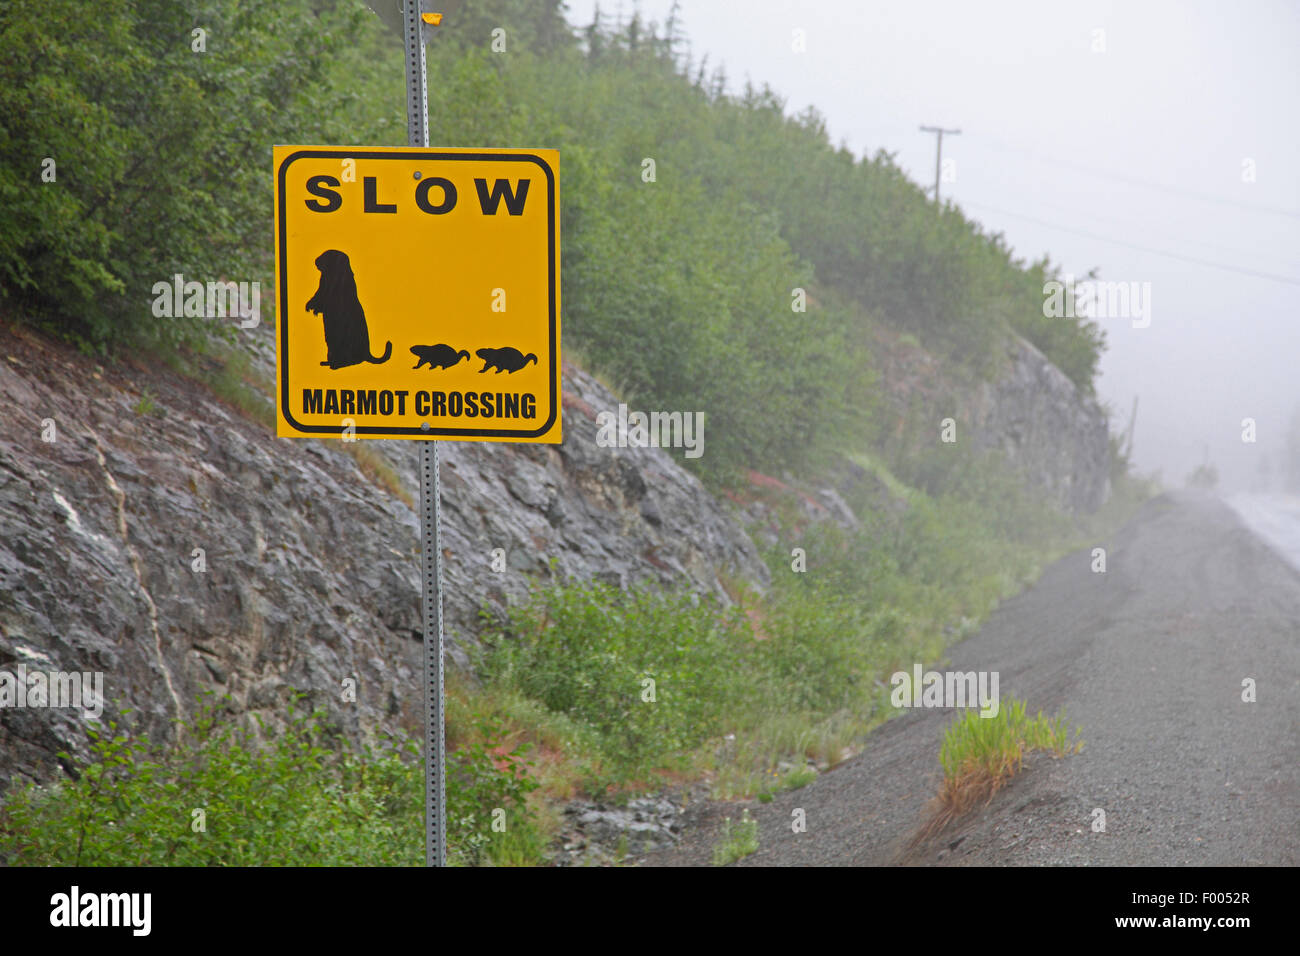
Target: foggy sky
(1142,145)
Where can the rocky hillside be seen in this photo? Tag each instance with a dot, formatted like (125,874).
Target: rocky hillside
(312,569)
(151,532)
(1028,411)
(1036,417)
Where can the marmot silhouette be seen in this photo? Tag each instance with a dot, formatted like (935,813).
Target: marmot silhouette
(347,340)
(504,360)
(438,356)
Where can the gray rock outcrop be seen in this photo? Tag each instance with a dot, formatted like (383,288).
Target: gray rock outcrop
(1027,410)
(1037,418)
(311,569)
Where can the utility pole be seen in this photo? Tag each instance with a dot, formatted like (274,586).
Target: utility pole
(1132,427)
(938,154)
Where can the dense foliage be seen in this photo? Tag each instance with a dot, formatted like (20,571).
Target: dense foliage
(679,282)
(224,797)
(160,151)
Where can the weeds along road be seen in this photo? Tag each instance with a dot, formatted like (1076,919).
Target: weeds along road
(1148,659)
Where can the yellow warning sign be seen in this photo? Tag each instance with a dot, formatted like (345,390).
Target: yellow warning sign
(418,293)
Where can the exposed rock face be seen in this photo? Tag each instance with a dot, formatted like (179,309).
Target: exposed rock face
(1029,411)
(1036,417)
(312,570)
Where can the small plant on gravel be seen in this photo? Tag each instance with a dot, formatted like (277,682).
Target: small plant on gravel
(793,779)
(980,754)
(739,840)
(798,777)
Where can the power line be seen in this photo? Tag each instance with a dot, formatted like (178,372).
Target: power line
(1132,245)
(1125,225)
(1136,181)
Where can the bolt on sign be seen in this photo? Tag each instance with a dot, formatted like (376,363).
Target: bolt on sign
(418,293)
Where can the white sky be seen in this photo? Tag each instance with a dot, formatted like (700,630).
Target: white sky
(1142,144)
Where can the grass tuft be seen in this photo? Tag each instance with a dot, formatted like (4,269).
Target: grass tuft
(981,754)
(739,839)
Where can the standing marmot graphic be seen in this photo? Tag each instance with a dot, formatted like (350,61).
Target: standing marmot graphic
(347,340)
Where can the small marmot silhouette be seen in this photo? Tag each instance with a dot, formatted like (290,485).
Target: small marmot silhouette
(438,356)
(504,360)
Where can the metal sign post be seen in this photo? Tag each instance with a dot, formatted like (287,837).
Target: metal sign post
(435,758)
(435,754)
(331,383)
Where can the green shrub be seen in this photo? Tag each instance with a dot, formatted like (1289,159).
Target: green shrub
(822,648)
(649,677)
(222,798)
(162,154)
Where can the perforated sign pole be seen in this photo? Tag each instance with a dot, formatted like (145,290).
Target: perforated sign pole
(435,756)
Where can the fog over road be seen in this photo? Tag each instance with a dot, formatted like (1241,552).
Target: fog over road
(1148,659)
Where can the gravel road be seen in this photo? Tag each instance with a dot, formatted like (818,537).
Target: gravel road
(1148,659)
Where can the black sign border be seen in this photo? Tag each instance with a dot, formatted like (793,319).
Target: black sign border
(389,431)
